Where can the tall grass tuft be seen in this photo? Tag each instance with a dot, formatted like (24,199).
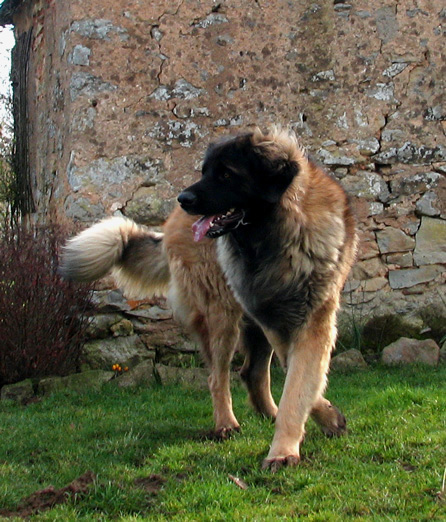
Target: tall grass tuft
(42,317)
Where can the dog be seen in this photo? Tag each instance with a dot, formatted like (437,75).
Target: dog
(258,250)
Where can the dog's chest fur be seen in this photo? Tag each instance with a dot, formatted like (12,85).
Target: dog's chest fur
(272,291)
(277,277)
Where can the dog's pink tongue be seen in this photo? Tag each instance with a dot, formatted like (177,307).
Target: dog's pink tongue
(201,226)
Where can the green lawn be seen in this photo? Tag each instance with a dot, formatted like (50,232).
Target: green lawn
(146,449)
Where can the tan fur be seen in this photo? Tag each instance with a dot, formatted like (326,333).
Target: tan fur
(319,237)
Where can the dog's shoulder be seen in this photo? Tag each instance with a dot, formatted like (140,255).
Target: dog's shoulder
(316,214)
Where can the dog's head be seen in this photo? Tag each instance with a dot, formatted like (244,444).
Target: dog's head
(241,177)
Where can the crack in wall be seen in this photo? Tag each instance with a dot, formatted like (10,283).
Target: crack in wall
(171,13)
(123,207)
(164,58)
(418,65)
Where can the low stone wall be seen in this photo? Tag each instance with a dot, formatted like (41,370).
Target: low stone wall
(146,372)
(126,333)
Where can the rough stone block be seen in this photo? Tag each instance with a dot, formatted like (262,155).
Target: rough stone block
(375,208)
(395,69)
(369,268)
(443,354)
(431,242)
(382,92)
(211,19)
(83,83)
(98,29)
(182,90)
(80,55)
(114,301)
(196,377)
(123,328)
(404,260)
(374,284)
(121,172)
(428,205)
(335,158)
(78,382)
(394,240)
(82,209)
(407,351)
(185,133)
(368,185)
(415,276)
(126,351)
(140,375)
(347,360)
(154,313)
(409,153)
(414,183)
(19,391)
(100,324)
(148,207)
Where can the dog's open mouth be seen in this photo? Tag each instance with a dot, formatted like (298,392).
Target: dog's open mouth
(215,226)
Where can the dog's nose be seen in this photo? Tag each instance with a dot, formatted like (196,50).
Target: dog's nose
(187,199)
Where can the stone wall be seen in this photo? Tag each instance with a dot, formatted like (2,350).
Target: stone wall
(125,96)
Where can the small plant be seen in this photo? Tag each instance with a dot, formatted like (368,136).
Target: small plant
(351,336)
(42,317)
(118,369)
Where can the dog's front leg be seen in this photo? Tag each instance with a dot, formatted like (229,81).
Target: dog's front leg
(307,364)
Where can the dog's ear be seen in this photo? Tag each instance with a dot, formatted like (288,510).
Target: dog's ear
(278,154)
(278,176)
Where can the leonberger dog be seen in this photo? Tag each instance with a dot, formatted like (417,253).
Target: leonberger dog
(265,262)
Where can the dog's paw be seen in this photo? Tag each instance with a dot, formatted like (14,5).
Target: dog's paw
(337,426)
(330,419)
(274,464)
(222,434)
(226,432)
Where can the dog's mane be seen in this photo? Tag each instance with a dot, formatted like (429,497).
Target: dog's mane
(279,143)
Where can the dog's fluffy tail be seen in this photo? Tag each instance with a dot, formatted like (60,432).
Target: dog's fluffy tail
(133,254)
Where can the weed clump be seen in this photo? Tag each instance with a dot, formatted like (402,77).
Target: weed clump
(42,317)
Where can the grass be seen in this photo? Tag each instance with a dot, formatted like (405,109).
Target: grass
(150,462)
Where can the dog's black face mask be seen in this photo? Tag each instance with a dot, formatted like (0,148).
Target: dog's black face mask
(239,183)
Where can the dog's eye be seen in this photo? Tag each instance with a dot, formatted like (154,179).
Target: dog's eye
(225,176)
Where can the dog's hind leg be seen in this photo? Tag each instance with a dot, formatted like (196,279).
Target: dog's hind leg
(307,360)
(223,339)
(218,334)
(255,371)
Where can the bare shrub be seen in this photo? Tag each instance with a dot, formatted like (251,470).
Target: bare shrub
(42,317)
